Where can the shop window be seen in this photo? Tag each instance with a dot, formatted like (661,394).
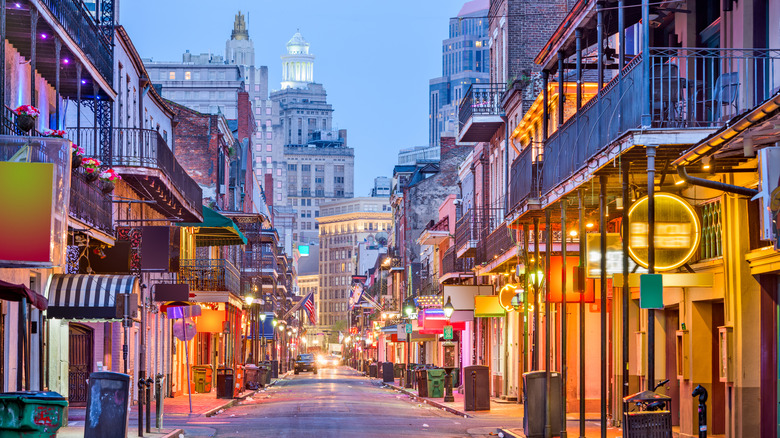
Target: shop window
(711,231)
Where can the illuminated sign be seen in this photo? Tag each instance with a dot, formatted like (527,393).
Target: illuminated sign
(506,294)
(676,232)
(614,256)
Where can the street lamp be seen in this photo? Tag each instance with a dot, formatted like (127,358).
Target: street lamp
(408,310)
(449,309)
(262,333)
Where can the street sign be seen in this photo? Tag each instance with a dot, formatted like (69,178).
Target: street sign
(651,291)
(408,328)
(184,331)
(447,332)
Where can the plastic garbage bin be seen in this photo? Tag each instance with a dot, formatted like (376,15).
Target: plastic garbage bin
(372,370)
(224,383)
(107,402)
(252,377)
(421,376)
(387,372)
(201,378)
(476,379)
(534,393)
(436,382)
(31,413)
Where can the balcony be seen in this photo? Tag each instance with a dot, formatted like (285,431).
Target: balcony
(525,174)
(480,113)
(452,266)
(494,245)
(89,205)
(466,234)
(146,162)
(215,275)
(689,89)
(435,233)
(82,39)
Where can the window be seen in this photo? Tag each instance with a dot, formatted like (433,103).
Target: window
(292,167)
(269,135)
(269,148)
(338,179)
(187,76)
(258,111)
(306,167)
(268,123)
(258,148)
(172,75)
(268,161)
(339,169)
(257,88)
(319,168)
(318,180)
(279,172)
(268,110)
(278,196)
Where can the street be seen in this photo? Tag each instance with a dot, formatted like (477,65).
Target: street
(336,403)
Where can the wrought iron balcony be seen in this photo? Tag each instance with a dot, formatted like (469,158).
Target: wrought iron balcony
(146,162)
(524,177)
(494,245)
(9,124)
(209,275)
(480,113)
(688,88)
(452,264)
(89,205)
(467,233)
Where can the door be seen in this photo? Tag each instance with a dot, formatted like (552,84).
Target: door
(672,317)
(79,363)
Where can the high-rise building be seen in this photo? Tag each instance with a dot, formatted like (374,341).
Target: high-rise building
(319,166)
(382,186)
(465,61)
(343,226)
(417,154)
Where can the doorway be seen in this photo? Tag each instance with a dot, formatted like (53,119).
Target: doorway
(672,318)
(81,339)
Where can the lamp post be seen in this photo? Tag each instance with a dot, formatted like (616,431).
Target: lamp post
(262,335)
(249,299)
(408,310)
(449,362)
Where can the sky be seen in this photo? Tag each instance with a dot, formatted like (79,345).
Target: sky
(373,57)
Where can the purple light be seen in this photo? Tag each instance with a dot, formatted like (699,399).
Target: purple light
(44,36)
(83,81)
(66,61)
(18,5)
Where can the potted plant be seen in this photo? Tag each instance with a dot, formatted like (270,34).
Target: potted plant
(77,155)
(26,115)
(109,178)
(91,168)
(54,133)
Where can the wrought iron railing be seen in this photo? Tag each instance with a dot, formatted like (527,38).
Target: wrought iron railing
(9,124)
(497,243)
(466,229)
(524,176)
(209,275)
(88,204)
(135,147)
(450,263)
(480,99)
(81,27)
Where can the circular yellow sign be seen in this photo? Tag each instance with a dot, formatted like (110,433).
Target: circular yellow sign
(505,296)
(677,231)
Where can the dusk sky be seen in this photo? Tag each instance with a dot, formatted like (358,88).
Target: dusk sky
(374,58)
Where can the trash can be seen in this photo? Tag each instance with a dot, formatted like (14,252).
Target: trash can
(372,370)
(252,377)
(398,370)
(274,365)
(476,379)
(388,372)
(647,423)
(263,376)
(436,382)
(31,413)
(107,401)
(534,393)
(421,377)
(224,383)
(201,378)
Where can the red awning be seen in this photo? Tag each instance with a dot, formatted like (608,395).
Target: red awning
(15,292)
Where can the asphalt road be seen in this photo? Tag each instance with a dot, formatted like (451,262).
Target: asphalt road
(336,403)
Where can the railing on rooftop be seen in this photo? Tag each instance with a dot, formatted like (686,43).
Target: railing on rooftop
(209,275)
(136,147)
(88,203)
(689,88)
(480,99)
(79,24)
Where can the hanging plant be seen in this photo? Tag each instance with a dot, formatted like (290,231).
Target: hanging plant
(77,155)
(109,177)
(54,133)
(91,168)
(26,115)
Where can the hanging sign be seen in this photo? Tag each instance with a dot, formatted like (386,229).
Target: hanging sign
(677,232)
(408,328)
(447,334)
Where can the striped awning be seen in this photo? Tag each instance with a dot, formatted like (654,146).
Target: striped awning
(83,296)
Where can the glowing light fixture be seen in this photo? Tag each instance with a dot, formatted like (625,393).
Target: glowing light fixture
(449,308)
(408,309)
(262,317)
(573,233)
(249,299)
(274,322)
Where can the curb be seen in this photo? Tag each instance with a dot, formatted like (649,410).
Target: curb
(213,411)
(174,434)
(508,434)
(428,401)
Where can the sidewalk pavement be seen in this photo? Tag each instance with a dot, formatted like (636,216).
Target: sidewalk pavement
(206,404)
(500,409)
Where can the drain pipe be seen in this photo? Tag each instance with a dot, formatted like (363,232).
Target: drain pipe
(717,185)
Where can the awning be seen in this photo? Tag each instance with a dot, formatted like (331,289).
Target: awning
(83,296)
(215,230)
(15,292)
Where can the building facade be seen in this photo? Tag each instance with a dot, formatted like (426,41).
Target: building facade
(343,226)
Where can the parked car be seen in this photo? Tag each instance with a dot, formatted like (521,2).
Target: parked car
(305,362)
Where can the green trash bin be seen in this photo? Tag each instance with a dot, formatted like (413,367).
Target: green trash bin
(436,383)
(201,378)
(31,414)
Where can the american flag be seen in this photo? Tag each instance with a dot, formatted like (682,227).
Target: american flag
(308,305)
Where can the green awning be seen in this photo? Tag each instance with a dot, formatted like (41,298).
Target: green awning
(215,230)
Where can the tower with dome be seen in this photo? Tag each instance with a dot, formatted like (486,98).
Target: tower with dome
(297,64)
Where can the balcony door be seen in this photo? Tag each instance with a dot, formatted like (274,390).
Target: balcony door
(81,341)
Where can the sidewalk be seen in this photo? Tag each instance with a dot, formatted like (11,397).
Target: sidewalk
(500,409)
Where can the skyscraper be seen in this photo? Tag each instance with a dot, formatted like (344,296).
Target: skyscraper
(465,60)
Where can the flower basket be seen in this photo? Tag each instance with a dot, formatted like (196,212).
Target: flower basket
(108,187)
(91,177)
(109,178)
(91,168)
(54,133)
(26,115)
(77,156)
